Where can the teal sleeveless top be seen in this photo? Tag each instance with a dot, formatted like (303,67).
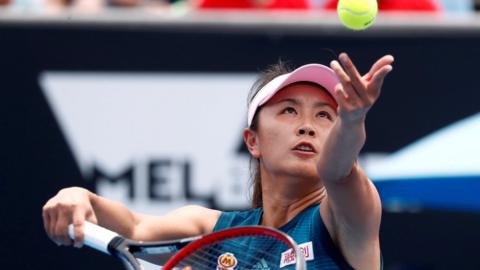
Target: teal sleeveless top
(307,229)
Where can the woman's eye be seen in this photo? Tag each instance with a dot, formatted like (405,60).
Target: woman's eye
(324,114)
(289,110)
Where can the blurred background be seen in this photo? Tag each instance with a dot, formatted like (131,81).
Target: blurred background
(144,101)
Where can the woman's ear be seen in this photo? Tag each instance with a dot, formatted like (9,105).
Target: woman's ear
(251,141)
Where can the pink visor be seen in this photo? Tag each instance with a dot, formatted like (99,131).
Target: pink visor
(315,73)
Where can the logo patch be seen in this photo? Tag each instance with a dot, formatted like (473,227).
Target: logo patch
(226,261)
(288,257)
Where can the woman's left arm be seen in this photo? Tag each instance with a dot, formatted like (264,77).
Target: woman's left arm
(353,203)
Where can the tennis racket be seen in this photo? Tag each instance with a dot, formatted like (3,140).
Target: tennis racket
(249,247)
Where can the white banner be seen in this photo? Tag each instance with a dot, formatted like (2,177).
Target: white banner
(156,141)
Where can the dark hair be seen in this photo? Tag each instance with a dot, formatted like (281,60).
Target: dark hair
(265,77)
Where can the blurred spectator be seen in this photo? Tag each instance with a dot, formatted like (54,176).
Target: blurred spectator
(457,5)
(95,5)
(124,3)
(398,5)
(58,3)
(4,2)
(254,4)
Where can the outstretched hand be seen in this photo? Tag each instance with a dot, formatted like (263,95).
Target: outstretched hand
(356,94)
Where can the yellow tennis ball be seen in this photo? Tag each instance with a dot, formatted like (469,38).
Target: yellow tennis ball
(357,14)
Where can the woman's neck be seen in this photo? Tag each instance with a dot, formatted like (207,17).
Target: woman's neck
(282,201)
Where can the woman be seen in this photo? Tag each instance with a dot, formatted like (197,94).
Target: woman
(305,131)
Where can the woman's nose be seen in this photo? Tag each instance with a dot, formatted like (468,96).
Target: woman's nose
(306,130)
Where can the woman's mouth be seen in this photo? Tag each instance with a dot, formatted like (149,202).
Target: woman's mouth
(305,147)
(304,150)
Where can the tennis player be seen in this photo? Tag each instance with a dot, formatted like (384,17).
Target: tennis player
(305,130)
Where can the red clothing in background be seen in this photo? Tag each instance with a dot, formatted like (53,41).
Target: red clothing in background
(400,5)
(250,4)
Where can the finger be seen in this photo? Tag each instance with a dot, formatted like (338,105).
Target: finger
(377,79)
(385,60)
(341,98)
(61,228)
(78,222)
(53,224)
(354,75)
(91,217)
(49,223)
(346,82)
(46,219)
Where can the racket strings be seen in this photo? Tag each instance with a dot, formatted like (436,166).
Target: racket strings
(244,259)
(198,261)
(244,246)
(247,253)
(205,256)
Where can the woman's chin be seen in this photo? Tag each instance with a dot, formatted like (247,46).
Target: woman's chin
(306,171)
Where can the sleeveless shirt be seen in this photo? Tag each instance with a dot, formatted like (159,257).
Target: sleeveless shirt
(307,229)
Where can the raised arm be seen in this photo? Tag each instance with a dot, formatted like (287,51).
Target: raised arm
(352,209)
(75,205)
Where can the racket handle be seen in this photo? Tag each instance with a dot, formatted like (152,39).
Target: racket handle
(94,236)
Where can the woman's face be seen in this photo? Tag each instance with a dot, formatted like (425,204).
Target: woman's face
(293,127)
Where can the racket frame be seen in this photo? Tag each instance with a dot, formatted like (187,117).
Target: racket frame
(214,237)
(112,243)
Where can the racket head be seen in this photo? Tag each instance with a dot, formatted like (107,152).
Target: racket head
(247,247)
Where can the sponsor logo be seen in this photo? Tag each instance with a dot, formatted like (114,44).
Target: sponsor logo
(288,257)
(227,261)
